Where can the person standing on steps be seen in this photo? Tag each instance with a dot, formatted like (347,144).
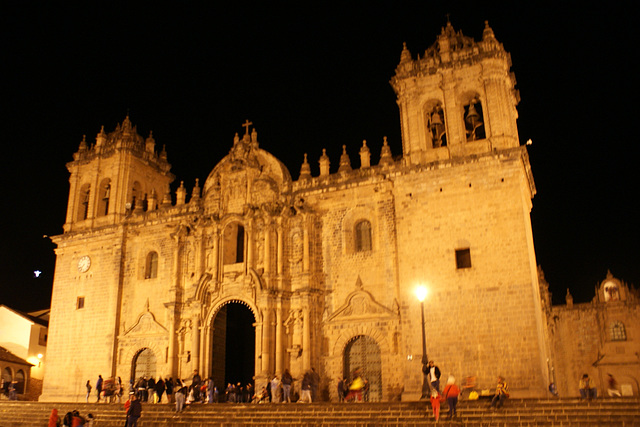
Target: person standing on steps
(134,411)
(99,387)
(434,375)
(451,393)
(88,386)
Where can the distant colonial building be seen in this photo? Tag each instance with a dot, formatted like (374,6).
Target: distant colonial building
(598,338)
(254,272)
(23,348)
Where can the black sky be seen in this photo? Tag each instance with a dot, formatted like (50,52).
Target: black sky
(312,76)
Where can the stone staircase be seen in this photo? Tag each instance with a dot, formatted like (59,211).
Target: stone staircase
(516,412)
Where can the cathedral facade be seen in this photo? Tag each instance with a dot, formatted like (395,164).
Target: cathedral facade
(319,272)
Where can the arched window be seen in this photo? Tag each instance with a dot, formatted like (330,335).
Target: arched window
(436,124)
(20,381)
(618,332)
(474,120)
(363,236)
(233,244)
(103,197)
(83,206)
(151,265)
(7,375)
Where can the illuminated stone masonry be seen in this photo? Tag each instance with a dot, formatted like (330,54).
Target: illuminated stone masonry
(326,265)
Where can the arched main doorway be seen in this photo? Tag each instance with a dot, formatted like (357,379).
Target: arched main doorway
(363,353)
(233,345)
(144,364)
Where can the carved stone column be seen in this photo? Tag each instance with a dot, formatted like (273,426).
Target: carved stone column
(266,341)
(215,256)
(171,362)
(280,249)
(267,251)
(250,244)
(199,255)
(195,342)
(258,360)
(279,346)
(306,338)
(305,247)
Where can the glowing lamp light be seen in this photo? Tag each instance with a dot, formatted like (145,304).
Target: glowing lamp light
(421,293)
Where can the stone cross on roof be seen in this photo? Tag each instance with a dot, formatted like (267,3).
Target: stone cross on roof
(246,125)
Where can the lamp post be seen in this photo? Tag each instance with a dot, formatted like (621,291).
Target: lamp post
(421,294)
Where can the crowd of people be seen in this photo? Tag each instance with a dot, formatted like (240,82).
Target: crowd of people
(280,390)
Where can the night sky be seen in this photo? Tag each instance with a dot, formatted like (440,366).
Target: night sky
(312,76)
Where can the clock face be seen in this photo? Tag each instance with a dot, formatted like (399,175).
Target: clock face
(84,263)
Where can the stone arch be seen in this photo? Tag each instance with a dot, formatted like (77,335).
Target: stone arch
(368,329)
(215,351)
(233,240)
(133,351)
(217,305)
(104,196)
(83,208)
(144,364)
(362,353)
(151,262)
(21,381)
(7,374)
(435,123)
(474,115)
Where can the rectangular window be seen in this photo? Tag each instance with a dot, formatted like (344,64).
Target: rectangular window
(463,258)
(42,337)
(80,303)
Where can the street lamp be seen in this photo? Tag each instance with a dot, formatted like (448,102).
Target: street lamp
(421,294)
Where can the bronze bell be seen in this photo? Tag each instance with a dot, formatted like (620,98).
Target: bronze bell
(435,119)
(472,114)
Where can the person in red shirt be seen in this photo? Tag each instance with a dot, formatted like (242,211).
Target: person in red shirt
(435,403)
(451,393)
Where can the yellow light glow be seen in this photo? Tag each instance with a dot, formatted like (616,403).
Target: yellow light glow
(421,292)
(39,355)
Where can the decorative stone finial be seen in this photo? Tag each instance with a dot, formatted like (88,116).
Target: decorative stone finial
(195,194)
(305,169)
(365,155)
(324,163)
(181,194)
(150,143)
(345,162)
(386,159)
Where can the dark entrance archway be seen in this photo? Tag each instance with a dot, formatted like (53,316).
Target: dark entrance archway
(363,353)
(144,365)
(233,346)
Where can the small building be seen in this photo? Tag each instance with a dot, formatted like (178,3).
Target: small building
(14,370)
(23,337)
(598,338)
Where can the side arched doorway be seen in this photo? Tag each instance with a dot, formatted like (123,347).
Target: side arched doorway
(363,353)
(233,346)
(143,365)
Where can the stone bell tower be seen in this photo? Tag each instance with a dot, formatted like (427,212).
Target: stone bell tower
(457,99)
(119,174)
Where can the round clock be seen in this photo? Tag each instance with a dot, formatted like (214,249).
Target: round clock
(84,263)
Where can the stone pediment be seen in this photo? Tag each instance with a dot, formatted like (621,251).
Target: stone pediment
(361,305)
(146,325)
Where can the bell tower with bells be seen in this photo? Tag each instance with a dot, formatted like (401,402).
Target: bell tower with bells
(121,174)
(458,99)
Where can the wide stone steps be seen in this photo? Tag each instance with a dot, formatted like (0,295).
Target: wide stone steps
(622,412)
